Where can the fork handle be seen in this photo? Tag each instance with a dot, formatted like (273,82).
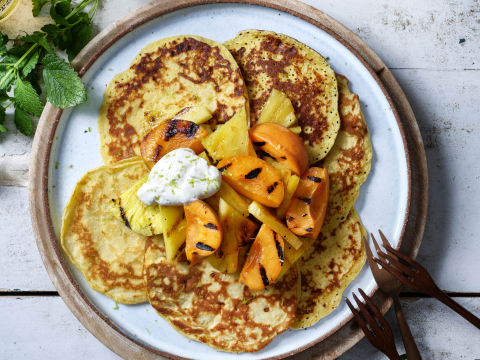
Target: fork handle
(408,341)
(452,304)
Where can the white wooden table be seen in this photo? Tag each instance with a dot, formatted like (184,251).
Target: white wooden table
(422,43)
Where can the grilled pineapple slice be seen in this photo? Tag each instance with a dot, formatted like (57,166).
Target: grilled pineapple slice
(230,139)
(278,109)
(198,114)
(238,231)
(174,230)
(141,218)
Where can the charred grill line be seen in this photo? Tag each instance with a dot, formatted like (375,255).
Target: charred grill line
(188,128)
(211,226)
(122,213)
(253,174)
(315,179)
(156,155)
(259,143)
(263,273)
(309,229)
(305,200)
(279,250)
(223,168)
(272,187)
(203,246)
(290,218)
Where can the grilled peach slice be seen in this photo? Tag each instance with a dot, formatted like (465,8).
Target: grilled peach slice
(264,261)
(253,178)
(204,232)
(307,210)
(282,144)
(171,135)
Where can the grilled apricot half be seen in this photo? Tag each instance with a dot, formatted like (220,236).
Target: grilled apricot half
(204,232)
(264,261)
(253,178)
(171,135)
(307,210)
(282,144)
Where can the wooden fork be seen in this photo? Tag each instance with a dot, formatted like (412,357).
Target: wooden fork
(390,285)
(418,279)
(380,336)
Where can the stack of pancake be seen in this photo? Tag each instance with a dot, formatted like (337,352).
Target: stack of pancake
(200,302)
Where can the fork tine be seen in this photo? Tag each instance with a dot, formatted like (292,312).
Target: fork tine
(375,242)
(394,272)
(384,239)
(398,264)
(401,256)
(374,309)
(371,321)
(360,321)
(373,264)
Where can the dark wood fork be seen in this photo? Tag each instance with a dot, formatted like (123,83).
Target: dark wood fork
(392,286)
(379,335)
(418,279)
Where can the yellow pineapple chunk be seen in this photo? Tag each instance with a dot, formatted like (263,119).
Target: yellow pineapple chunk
(174,230)
(136,215)
(290,188)
(204,156)
(238,231)
(230,139)
(263,214)
(278,109)
(296,130)
(284,171)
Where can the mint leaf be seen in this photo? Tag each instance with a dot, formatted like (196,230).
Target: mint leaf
(62,83)
(31,63)
(34,81)
(19,51)
(38,38)
(3,97)
(6,81)
(62,8)
(3,129)
(27,98)
(23,122)
(2,118)
(82,33)
(37,6)
(59,19)
(3,44)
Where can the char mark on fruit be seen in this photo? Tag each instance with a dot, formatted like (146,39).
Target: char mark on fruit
(253,174)
(259,143)
(156,155)
(263,273)
(272,187)
(203,246)
(223,168)
(309,229)
(315,179)
(122,213)
(188,128)
(305,200)
(211,226)
(279,249)
(290,218)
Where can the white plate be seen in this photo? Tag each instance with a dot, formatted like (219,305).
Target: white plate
(383,198)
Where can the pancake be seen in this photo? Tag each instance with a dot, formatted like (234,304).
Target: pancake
(348,162)
(205,305)
(327,268)
(274,61)
(103,249)
(175,72)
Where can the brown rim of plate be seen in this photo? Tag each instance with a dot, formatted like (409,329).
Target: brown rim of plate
(273,4)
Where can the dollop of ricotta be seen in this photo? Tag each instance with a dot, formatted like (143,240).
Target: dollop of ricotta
(179,178)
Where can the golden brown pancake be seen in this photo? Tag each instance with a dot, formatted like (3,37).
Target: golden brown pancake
(103,249)
(205,305)
(275,61)
(178,72)
(348,162)
(327,268)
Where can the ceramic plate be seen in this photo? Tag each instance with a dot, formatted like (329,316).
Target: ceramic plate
(383,199)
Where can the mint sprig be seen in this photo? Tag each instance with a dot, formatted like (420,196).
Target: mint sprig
(63,87)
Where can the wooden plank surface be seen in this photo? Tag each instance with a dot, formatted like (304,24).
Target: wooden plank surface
(420,42)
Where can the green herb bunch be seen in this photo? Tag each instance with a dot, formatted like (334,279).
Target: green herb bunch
(63,88)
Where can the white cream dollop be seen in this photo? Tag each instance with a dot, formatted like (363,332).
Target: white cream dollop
(179,178)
